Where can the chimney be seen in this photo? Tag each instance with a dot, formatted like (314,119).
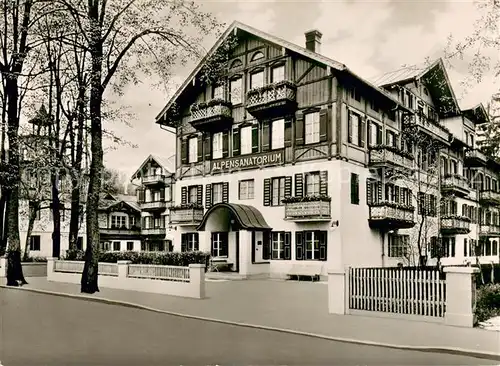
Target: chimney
(313,40)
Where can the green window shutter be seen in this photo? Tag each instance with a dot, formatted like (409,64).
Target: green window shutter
(184,240)
(354,189)
(266,136)
(184,151)
(299,185)
(266,245)
(183,195)
(255,138)
(225,144)
(225,192)
(199,197)
(208,196)
(299,130)
(267,192)
(288,132)
(323,125)
(323,245)
(323,183)
(200,148)
(288,186)
(299,246)
(288,246)
(236,141)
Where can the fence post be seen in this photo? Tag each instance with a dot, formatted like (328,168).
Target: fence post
(3,266)
(50,267)
(460,296)
(337,291)
(123,268)
(197,279)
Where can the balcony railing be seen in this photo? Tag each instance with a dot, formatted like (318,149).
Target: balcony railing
(489,230)
(391,215)
(154,179)
(430,127)
(455,225)
(455,183)
(210,115)
(488,197)
(161,231)
(186,215)
(383,155)
(307,209)
(475,158)
(273,100)
(155,205)
(118,231)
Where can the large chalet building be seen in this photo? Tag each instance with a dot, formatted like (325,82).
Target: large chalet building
(289,159)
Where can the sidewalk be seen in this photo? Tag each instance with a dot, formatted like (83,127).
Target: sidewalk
(297,306)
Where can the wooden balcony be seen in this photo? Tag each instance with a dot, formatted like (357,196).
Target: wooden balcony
(390,215)
(489,230)
(108,233)
(475,158)
(307,209)
(455,225)
(153,206)
(273,100)
(151,180)
(489,198)
(215,115)
(186,215)
(455,184)
(389,156)
(157,231)
(429,127)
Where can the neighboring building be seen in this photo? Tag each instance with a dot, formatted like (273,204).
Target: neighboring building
(285,160)
(156,177)
(119,223)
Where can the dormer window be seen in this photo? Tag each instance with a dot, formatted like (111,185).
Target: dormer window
(218,92)
(257,56)
(278,73)
(257,79)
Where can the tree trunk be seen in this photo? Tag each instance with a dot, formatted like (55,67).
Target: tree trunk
(74,223)
(3,219)
(14,268)
(90,275)
(56,215)
(31,224)
(419,239)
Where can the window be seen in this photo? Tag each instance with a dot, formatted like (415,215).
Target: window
(130,245)
(257,56)
(216,193)
(236,89)
(312,184)
(35,242)
(257,80)
(465,247)
(105,246)
(312,127)
(118,221)
(278,74)
(218,92)
(353,127)
(449,247)
(278,245)
(373,105)
(278,191)
(116,246)
(354,189)
(278,134)
(192,194)
(390,138)
(219,244)
(246,189)
(132,221)
(375,136)
(193,150)
(398,245)
(217,145)
(246,140)
(190,242)
(354,93)
(312,239)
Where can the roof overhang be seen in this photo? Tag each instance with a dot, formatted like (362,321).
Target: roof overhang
(151,157)
(248,217)
(477,114)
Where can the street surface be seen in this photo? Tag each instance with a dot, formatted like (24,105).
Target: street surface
(39,329)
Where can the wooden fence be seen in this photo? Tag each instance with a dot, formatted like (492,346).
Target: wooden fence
(395,290)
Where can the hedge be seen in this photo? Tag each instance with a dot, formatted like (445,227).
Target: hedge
(182,259)
(34,260)
(488,302)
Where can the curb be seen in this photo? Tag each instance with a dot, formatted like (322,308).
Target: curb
(446,350)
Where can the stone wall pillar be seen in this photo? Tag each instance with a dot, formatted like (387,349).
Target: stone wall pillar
(3,266)
(460,296)
(197,279)
(123,268)
(337,288)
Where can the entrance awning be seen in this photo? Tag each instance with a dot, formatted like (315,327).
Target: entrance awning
(248,217)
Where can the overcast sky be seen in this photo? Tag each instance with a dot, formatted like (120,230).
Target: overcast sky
(370,37)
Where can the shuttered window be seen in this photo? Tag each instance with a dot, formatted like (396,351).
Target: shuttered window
(311,128)
(312,184)
(277,191)
(311,245)
(217,145)
(246,140)
(192,194)
(277,245)
(193,150)
(216,193)
(278,134)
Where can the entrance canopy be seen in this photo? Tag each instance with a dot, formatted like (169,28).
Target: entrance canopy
(248,217)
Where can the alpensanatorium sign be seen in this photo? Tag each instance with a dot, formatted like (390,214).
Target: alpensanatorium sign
(246,162)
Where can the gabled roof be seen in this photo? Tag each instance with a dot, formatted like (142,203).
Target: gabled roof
(477,114)
(234,27)
(166,163)
(110,200)
(422,72)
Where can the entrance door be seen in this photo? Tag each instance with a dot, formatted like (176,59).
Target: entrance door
(219,245)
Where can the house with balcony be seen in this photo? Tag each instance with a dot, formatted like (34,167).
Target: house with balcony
(289,158)
(155,178)
(119,223)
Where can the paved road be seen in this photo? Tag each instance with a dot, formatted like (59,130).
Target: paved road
(39,329)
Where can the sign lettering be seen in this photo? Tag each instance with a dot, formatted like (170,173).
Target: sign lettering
(246,162)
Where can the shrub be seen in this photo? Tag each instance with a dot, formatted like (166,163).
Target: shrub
(74,255)
(35,260)
(488,302)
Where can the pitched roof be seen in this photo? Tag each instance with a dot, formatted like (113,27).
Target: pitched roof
(166,163)
(477,114)
(278,41)
(396,76)
(109,200)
